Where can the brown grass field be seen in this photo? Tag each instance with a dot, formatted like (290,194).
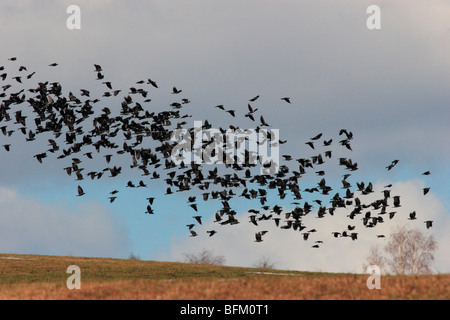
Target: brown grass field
(29,277)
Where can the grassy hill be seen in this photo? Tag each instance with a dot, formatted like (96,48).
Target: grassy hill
(44,277)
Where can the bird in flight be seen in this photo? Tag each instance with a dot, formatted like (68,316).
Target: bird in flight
(393,163)
(258,236)
(153,83)
(396,201)
(198,218)
(175,90)
(80,191)
(211,232)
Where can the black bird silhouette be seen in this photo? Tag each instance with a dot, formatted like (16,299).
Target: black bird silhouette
(263,122)
(250,109)
(80,191)
(389,167)
(429,224)
(258,237)
(198,218)
(287,99)
(142,184)
(336,234)
(232,112)
(190,226)
(153,83)
(211,232)
(396,201)
(175,90)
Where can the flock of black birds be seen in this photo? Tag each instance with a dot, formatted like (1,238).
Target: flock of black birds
(80,130)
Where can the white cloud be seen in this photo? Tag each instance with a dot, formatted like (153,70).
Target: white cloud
(288,250)
(31,226)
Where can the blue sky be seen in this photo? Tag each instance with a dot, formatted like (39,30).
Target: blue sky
(388,86)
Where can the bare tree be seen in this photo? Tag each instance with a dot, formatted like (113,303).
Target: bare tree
(409,251)
(264,263)
(133,257)
(204,257)
(375,257)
